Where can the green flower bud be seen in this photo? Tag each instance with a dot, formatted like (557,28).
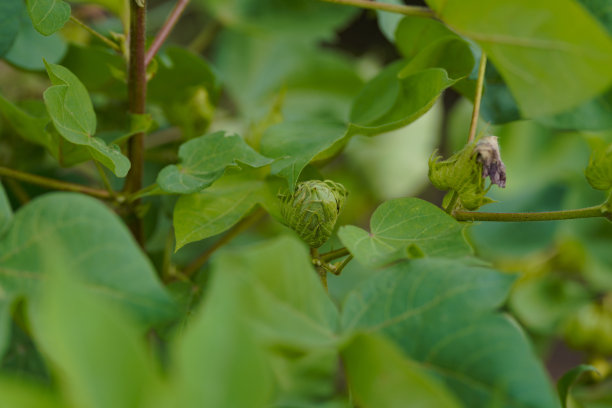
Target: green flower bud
(312,210)
(599,171)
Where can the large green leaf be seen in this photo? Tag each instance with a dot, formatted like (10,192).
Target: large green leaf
(100,248)
(441,313)
(30,47)
(548,67)
(379,376)
(216,209)
(204,160)
(48,16)
(218,355)
(18,393)
(405,228)
(97,352)
(72,113)
(10,14)
(6,212)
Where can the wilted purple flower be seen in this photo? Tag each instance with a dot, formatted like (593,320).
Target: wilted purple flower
(487,151)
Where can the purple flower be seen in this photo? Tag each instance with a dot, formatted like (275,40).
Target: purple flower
(487,151)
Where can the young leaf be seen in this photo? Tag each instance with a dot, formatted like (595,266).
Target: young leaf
(97,351)
(380,376)
(10,13)
(535,51)
(204,160)
(72,113)
(404,228)
(48,16)
(6,212)
(441,314)
(569,378)
(110,263)
(599,171)
(218,208)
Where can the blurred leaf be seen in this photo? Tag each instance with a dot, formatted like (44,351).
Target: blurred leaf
(30,47)
(285,301)
(497,105)
(110,263)
(441,314)
(72,113)
(95,67)
(5,322)
(295,144)
(10,14)
(19,393)
(300,19)
(380,376)
(535,51)
(566,382)
(98,353)
(387,21)
(6,212)
(218,362)
(187,90)
(48,16)
(599,170)
(115,6)
(219,207)
(204,160)
(405,228)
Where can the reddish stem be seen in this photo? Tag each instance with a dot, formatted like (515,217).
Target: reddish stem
(166,29)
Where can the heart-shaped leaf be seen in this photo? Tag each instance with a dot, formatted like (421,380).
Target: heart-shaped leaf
(48,16)
(10,14)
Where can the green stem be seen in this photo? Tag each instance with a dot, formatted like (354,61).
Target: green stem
(164,32)
(244,224)
(394,8)
(54,184)
(589,212)
(453,203)
(331,255)
(201,42)
(322,272)
(105,180)
(96,34)
(477,97)
(340,267)
(137,98)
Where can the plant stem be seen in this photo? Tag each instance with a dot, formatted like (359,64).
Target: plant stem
(340,267)
(205,37)
(96,34)
(589,212)
(166,29)
(394,8)
(322,272)
(477,97)
(244,224)
(105,181)
(54,184)
(18,191)
(331,255)
(452,203)
(137,98)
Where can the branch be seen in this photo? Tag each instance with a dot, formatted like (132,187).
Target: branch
(96,34)
(166,29)
(331,255)
(477,97)
(394,8)
(589,212)
(244,224)
(137,98)
(54,184)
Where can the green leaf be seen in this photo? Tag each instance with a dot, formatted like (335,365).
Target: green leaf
(441,314)
(72,113)
(566,382)
(98,352)
(19,393)
(295,144)
(534,50)
(10,14)
(48,16)
(405,228)
(115,6)
(387,21)
(599,170)
(218,355)
(204,160)
(6,212)
(30,47)
(218,208)
(285,301)
(102,250)
(186,89)
(380,376)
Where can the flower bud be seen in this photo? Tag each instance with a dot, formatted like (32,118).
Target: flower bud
(599,171)
(313,209)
